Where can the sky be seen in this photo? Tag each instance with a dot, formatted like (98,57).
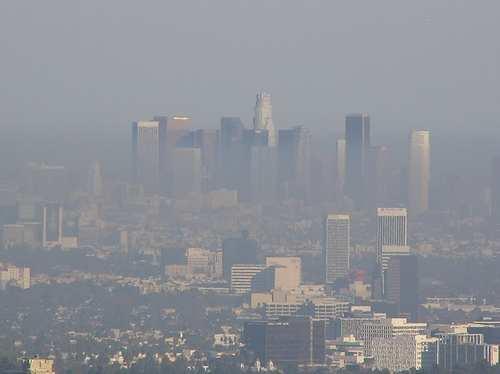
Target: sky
(89,64)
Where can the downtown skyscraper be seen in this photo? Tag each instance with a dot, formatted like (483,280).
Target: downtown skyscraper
(263,117)
(336,247)
(146,154)
(419,165)
(294,155)
(357,137)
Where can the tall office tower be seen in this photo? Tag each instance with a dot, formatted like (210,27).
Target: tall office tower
(231,152)
(263,174)
(419,165)
(95,183)
(336,247)
(263,117)
(340,169)
(292,340)
(206,141)
(186,173)
(52,225)
(378,176)
(392,240)
(357,137)
(294,162)
(495,197)
(240,250)
(146,154)
(173,132)
(401,286)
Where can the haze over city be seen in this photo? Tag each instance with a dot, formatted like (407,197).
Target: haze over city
(236,186)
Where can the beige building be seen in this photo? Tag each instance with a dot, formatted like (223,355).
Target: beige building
(288,272)
(38,365)
(12,275)
(419,171)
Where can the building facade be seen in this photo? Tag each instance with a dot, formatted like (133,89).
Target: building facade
(336,247)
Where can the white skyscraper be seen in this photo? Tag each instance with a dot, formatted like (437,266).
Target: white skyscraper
(263,117)
(392,235)
(337,232)
(419,171)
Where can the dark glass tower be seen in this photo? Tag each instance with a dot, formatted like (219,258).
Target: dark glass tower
(402,284)
(357,135)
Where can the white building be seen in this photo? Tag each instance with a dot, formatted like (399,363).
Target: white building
(288,272)
(12,275)
(242,276)
(337,236)
(367,328)
(404,352)
(263,117)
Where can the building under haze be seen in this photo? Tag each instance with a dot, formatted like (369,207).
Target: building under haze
(377,176)
(294,154)
(230,153)
(146,154)
(357,137)
(340,168)
(186,173)
(263,170)
(336,247)
(419,165)
(495,197)
(263,117)
(52,225)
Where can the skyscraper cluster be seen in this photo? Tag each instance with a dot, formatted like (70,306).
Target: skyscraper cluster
(262,164)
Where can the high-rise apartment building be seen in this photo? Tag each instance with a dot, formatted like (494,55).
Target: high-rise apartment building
(336,247)
(357,137)
(419,173)
(263,117)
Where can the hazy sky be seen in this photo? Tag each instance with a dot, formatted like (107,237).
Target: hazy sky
(425,63)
